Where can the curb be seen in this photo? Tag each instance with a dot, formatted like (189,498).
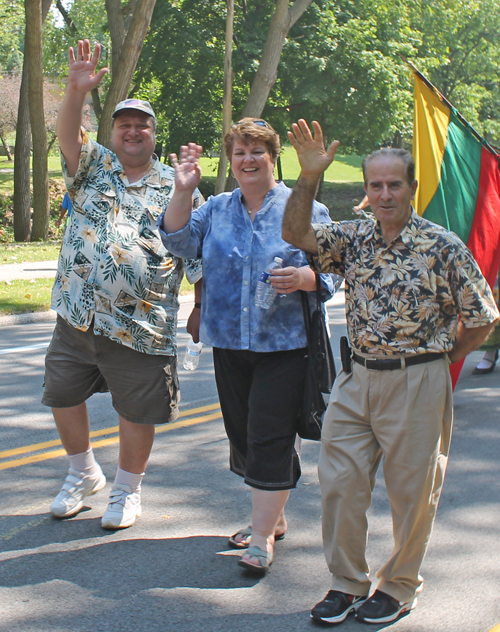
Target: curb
(51,315)
(32,317)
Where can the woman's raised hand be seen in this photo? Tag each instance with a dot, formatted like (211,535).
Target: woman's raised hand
(187,167)
(82,77)
(313,157)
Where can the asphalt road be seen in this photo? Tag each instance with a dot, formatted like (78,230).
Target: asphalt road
(173,570)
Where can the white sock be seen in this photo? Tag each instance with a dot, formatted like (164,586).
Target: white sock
(490,356)
(128,478)
(488,360)
(84,462)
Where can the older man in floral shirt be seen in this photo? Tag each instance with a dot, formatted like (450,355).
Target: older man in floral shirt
(407,283)
(116,295)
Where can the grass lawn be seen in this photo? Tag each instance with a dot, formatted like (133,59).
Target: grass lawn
(343,169)
(341,190)
(21,297)
(26,253)
(7,172)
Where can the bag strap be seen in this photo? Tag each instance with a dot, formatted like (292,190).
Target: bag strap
(319,302)
(307,316)
(306,309)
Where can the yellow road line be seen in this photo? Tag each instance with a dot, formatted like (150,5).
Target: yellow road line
(45,456)
(36,522)
(95,433)
(495,629)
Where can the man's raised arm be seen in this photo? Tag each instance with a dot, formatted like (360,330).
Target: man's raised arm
(81,79)
(314,159)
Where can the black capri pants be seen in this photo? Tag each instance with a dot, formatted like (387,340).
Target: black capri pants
(261,396)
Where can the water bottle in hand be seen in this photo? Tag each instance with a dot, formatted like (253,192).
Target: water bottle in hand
(265,292)
(192,355)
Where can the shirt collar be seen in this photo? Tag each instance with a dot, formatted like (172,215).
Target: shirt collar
(151,178)
(407,235)
(270,195)
(411,229)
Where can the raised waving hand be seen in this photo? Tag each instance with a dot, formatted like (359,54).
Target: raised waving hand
(187,178)
(187,167)
(314,159)
(82,76)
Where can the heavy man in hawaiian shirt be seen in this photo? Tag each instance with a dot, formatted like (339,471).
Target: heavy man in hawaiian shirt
(116,295)
(407,282)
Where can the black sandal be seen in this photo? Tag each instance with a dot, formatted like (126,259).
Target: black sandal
(246,534)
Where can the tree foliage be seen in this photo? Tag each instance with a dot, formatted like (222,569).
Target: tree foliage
(345,67)
(181,70)
(11,36)
(460,46)
(343,63)
(89,21)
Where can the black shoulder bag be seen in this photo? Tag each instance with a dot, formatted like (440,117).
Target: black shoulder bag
(320,373)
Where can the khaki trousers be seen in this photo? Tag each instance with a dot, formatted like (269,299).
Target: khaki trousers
(404,416)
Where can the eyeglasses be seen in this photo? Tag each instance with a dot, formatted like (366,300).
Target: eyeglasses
(260,123)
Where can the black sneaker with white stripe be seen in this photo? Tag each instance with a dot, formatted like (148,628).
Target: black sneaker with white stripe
(336,606)
(382,608)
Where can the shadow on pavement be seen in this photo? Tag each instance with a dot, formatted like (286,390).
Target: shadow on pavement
(125,567)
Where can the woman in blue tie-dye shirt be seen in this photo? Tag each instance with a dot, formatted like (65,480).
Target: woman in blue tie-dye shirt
(259,354)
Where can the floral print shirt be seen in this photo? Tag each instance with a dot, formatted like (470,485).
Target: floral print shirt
(235,251)
(113,268)
(406,296)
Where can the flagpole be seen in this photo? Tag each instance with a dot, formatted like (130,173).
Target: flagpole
(432,87)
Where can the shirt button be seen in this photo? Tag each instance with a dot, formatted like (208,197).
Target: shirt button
(246,282)
(247,257)
(102,266)
(245,309)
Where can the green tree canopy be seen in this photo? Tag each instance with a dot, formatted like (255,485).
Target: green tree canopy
(343,63)
(11,36)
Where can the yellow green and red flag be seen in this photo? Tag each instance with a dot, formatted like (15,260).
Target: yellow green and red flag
(458,175)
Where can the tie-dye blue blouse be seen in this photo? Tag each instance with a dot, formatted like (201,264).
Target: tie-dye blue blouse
(234,252)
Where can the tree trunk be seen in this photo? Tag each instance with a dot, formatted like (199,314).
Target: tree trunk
(65,16)
(51,143)
(6,148)
(96,101)
(116,30)
(124,69)
(226,105)
(41,207)
(283,19)
(22,193)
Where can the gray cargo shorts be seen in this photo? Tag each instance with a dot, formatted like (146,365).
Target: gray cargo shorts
(144,388)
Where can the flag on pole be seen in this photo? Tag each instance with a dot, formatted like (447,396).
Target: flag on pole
(458,175)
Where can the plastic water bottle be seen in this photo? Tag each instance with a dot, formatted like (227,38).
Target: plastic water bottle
(192,355)
(265,292)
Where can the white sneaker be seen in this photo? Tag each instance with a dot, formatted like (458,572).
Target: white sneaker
(76,487)
(124,507)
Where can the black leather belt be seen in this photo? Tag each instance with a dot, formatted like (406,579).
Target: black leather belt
(392,364)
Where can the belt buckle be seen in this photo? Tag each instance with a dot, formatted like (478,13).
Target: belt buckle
(385,364)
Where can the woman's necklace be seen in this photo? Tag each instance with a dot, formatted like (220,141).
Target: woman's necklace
(251,210)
